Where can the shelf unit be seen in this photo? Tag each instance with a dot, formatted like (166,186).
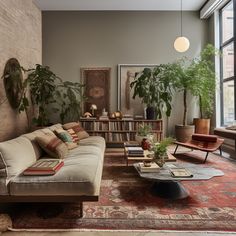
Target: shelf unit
(116,132)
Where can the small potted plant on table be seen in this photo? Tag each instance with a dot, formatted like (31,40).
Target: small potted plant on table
(159,150)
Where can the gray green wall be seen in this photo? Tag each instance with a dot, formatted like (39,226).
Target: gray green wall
(72,40)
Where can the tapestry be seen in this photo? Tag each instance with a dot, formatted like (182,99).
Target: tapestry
(126,202)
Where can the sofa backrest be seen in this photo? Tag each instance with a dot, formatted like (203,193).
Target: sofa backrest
(15,156)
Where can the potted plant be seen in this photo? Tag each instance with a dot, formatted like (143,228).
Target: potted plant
(41,85)
(50,94)
(143,132)
(160,150)
(204,73)
(154,92)
(69,97)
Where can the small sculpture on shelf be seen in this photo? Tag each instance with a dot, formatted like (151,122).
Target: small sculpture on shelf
(93,108)
(87,115)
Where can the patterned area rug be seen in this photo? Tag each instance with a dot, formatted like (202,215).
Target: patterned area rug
(126,203)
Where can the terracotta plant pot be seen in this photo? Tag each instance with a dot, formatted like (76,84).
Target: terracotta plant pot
(183,133)
(202,126)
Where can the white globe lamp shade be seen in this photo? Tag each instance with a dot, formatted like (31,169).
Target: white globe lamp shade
(181,44)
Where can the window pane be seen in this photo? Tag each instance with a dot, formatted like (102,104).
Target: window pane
(228,61)
(227,22)
(228,101)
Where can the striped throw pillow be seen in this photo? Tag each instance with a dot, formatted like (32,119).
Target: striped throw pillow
(66,137)
(52,145)
(77,128)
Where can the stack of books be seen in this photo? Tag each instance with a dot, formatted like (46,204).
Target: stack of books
(135,151)
(103,118)
(44,167)
(153,168)
(127,117)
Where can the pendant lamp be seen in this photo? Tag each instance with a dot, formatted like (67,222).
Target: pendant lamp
(181,43)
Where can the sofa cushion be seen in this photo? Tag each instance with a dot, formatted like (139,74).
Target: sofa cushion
(80,175)
(32,137)
(66,137)
(82,134)
(54,127)
(52,145)
(15,156)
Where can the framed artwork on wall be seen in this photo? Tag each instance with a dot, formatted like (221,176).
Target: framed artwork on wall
(126,74)
(97,88)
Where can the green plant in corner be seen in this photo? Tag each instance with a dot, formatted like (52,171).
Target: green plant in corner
(41,82)
(204,73)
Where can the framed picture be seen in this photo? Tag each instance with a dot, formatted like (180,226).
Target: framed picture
(97,88)
(126,74)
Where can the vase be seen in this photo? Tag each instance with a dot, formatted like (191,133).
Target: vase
(150,113)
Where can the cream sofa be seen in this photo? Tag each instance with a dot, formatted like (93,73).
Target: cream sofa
(77,181)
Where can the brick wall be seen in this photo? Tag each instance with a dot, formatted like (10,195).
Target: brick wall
(20,37)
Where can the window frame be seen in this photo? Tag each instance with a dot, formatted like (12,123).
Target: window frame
(222,46)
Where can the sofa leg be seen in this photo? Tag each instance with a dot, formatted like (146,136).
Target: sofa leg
(176,148)
(206,157)
(81,210)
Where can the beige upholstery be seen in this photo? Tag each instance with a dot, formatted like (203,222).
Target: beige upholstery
(80,175)
(32,137)
(15,156)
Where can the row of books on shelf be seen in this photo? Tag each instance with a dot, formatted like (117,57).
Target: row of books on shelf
(116,126)
(116,137)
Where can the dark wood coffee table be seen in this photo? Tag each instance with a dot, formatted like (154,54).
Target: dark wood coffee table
(167,186)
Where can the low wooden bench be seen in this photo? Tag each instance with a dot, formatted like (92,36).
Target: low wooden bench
(226,133)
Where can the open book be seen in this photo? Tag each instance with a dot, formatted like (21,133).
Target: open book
(180,173)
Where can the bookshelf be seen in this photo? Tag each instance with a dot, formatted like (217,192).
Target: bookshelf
(116,132)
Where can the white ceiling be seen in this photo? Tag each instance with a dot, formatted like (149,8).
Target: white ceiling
(119,5)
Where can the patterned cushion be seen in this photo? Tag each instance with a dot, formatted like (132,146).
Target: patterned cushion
(66,137)
(52,145)
(74,136)
(82,134)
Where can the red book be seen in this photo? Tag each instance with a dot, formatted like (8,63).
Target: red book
(33,170)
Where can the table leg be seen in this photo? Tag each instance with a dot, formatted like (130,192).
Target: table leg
(169,190)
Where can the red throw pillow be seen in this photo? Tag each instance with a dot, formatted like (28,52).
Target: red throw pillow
(204,138)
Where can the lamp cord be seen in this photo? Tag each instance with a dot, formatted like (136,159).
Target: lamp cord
(181,17)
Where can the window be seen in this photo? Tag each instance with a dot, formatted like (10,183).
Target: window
(227,47)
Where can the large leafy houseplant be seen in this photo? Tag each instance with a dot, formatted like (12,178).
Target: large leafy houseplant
(204,73)
(153,91)
(69,96)
(41,83)
(50,94)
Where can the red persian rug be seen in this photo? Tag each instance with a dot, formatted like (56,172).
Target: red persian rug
(126,202)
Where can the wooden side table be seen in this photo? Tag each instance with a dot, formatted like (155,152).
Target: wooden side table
(170,157)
